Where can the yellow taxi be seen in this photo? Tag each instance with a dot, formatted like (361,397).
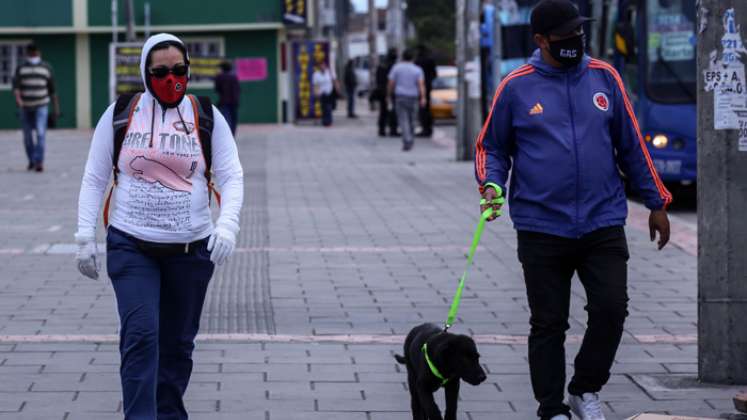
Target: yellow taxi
(444,93)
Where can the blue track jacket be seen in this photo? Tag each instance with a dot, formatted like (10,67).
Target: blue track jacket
(565,132)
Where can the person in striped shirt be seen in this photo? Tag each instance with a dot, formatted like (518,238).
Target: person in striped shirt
(33,87)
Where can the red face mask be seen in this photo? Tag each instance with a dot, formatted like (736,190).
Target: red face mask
(169,90)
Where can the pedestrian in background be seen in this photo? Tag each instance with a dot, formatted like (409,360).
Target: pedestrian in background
(229,90)
(407,85)
(387,118)
(426,62)
(324,91)
(34,89)
(351,84)
(569,114)
(161,244)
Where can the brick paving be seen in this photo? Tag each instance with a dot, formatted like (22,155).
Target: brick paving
(342,235)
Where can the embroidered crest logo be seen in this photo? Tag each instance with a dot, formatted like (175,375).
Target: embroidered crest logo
(601,101)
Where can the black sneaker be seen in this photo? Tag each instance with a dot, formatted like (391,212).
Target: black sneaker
(407,147)
(39,167)
(30,167)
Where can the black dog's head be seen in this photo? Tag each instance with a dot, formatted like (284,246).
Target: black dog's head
(462,358)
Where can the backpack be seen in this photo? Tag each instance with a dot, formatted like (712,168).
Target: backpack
(123,112)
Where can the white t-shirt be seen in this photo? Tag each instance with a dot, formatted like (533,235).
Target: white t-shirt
(162,193)
(323,81)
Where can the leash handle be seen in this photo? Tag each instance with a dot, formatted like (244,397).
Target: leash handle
(470,258)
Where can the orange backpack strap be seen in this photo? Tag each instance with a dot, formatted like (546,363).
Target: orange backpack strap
(203,109)
(124,109)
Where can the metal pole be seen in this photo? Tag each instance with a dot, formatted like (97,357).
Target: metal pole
(146,15)
(596,35)
(373,30)
(474,83)
(317,28)
(461,83)
(497,51)
(130,21)
(722,197)
(115,18)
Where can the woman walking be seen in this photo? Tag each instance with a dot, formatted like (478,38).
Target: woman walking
(161,243)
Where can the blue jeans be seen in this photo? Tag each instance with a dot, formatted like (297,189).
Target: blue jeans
(231,114)
(34,118)
(159,300)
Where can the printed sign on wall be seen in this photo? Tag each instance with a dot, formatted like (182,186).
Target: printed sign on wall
(294,12)
(306,58)
(251,69)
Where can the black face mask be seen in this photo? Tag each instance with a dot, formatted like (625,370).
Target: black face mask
(569,51)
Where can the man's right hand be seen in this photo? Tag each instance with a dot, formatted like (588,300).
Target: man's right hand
(489,195)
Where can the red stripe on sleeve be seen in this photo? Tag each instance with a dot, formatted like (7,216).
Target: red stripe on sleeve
(480,154)
(663,192)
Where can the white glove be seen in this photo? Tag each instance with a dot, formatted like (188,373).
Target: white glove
(221,245)
(86,256)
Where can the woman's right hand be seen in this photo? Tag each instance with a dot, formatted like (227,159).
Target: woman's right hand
(86,257)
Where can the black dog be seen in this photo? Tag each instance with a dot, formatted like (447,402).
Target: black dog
(454,357)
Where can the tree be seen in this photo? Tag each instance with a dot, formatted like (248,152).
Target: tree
(434,22)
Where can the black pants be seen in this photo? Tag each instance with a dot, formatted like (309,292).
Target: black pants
(387,117)
(600,259)
(328,102)
(426,117)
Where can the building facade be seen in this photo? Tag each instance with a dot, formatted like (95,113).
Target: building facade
(74,37)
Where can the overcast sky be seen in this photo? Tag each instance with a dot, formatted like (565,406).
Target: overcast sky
(362,5)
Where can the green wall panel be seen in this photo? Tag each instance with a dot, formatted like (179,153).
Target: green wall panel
(36,12)
(197,12)
(59,52)
(259,100)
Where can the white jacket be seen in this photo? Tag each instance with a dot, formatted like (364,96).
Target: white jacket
(162,193)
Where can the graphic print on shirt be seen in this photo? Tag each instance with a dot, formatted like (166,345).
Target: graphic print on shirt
(161,168)
(153,171)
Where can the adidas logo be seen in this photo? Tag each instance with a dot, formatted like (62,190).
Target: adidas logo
(537,109)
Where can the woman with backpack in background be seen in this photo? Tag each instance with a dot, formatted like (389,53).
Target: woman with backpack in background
(160,146)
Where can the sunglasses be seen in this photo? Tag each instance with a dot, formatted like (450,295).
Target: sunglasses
(162,71)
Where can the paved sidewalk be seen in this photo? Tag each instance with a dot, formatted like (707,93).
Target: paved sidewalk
(346,244)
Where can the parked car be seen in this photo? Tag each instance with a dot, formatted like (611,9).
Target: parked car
(362,75)
(444,93)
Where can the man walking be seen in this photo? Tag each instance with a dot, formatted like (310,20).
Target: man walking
(382,96)
(351,84)
(426,62)
(228,88)
(33,86)
(565,124)
(407,84)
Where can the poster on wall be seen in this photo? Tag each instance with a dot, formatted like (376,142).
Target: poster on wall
(294,12)
(251,69)
(307,55)
(124,69)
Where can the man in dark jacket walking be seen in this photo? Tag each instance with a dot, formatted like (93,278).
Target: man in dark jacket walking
(351,84)
(426,62)
(387,116)
(228,89)
(565,124)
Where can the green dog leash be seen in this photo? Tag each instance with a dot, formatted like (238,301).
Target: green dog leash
(458,296)
(470,257)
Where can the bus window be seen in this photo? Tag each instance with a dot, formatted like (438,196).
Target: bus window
(670,55)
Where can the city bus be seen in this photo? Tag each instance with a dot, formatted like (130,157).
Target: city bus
(652,45)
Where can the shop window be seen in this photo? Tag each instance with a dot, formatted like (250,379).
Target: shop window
(206,54)
(11,55)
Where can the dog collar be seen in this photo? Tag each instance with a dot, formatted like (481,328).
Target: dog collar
(434,369)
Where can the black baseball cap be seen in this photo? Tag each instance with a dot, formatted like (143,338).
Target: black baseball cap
(556,17)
